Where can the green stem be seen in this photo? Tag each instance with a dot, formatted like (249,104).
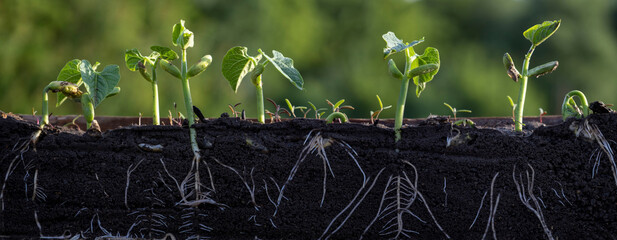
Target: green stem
(581,96)
(45,109)
(402,97)
(156,120)
(260,100)
(88,109)
(520,105)
(338,115)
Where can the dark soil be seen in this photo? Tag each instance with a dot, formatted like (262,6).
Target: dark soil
(81,180)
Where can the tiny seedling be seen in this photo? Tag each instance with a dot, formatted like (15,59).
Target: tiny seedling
(237,64)
(233,109)
(455,111)
(542,113)
(293,108)
(137,62)
(98,87)
(318,111)
(569,107)
(276,115)
(513,106)
(536,35)
(420,68)
(336,111)
(375,114)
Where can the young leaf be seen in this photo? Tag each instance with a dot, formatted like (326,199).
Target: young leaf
(510,101)
(166,53)
(540,32)
(285,66)
(450,107)
(338,104)
(430,56)
(394,44)
(99,84)
(69,73)
(380,103)
(132,57)
(181,36)
(543,69)
(236,64)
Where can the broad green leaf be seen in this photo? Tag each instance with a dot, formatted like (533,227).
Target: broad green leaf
(181,36)
(99,84)
(132,57)
(166,53)
(236,64)
(285,66)
(540,32)
(394,44)
(546,68)
(69,73)
(430,61)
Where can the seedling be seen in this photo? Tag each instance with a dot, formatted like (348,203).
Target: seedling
(536,35)
(569,107)
(454,110)
(137,62)
(420,68)
(513,106)
(336,111)
(375,114)
(293,108)
(233,109)
(183,38)
(237,64)
(542,113)
(276,115)
(98,87)
(318,111)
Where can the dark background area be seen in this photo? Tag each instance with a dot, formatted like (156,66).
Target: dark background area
(336,45)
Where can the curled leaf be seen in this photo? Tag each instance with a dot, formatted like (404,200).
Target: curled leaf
(181,36)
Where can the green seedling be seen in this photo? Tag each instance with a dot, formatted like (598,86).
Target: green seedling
(233,109)
(137,62)
(237,64)
(375,114)
(318,111)
(276,115)
(542,113)
(336,111)
(536,35)
(420,68)
(513,106)
(98,87)
(569,107)
(183,38)
(293,108)
(455,111)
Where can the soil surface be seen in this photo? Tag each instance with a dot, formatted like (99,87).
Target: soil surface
(266,181)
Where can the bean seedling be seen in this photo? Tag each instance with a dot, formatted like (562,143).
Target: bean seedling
(318,111)
(98,87)
(293,108)
(536,35)
(420,68)
(569,108)
(336,111)
(276,115)
(237,64)
(233,109)
(375,114)
(137,62)
(454,110)
(513,106)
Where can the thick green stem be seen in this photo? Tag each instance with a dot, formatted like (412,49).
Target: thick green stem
(520,105)
(88,109)
(190,117)
(338,115)
(260,100)
(45,110)
(581,96)
(156,119)
(402,97)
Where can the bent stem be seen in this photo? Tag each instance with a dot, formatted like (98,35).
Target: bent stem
(520,105)
(581,96)
(260,100)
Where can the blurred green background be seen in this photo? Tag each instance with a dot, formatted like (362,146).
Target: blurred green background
(336,45)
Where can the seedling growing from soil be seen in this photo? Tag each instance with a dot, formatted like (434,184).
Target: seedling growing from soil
(98,87)
(237,64)
(420,68)
(293,108)
(375,114)
(536,35)
(137,62)
(233,109)
(336,111)
(569,108)
(454,110)
(513,106)
(542,113)
(276,115)
(318,111)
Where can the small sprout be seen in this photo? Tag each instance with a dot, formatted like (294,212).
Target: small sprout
(454,110)
(293,108)
(542,113)
(375,114)
(513,106)
(420,68)
(337,115)
(275,116)
(536,35)
(233,109)
(569,107)
(318,111)
(465,122)
(336,107)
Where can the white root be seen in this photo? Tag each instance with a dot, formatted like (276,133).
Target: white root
(128,179)
(528,198)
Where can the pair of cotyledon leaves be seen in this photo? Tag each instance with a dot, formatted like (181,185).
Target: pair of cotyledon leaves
(429,57)
(237,64)
(99,85)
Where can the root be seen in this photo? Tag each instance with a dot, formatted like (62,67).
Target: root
(492,210)
(479,209)
(38,191)
(527,197)
(249,188)
(592,132)
(128,179)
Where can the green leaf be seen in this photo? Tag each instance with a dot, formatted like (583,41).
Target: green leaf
(394,44)
(285,66)
(236,64)
(540,32)
(99,84)
(181,36)
(69,73)
(543,69)
(380,103)
(132,57)
(338,104)
(166,53)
